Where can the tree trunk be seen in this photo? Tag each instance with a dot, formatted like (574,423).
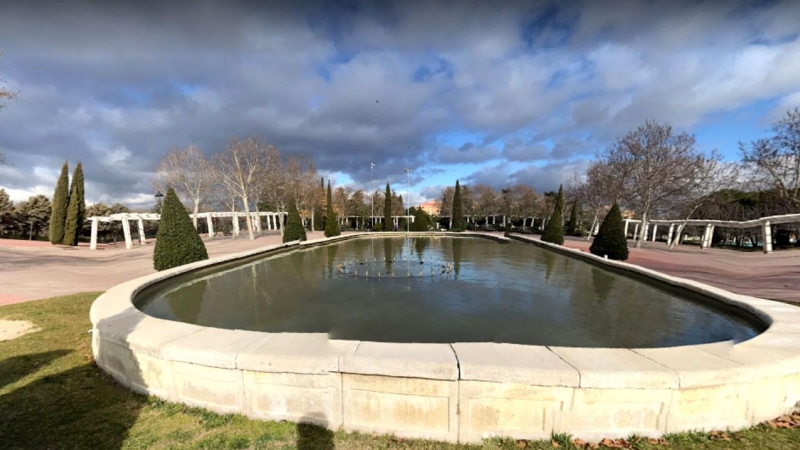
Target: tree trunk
(248,217)
(642,231)
(196,210)
(591,230)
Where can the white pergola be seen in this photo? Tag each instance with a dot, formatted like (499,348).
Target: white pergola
(273,223)
(765,223)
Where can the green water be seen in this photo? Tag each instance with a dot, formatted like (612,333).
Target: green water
(443,290)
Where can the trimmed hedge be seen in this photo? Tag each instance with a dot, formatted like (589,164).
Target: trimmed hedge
(331,224)
(387,210)
(177,241)
(76,211)
(554,230)
(610,240)
(58,212)
(294,225)
(458,210)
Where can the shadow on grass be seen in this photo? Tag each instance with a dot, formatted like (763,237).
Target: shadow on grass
(77,408)
(18,367)
(313,437)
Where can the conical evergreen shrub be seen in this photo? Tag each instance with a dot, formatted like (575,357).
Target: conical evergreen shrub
(177,241)
(294,225)
(458,210)
(77,208)
(554,230)
(331,224)
(319,220)
(388,225)
(610,240)
(58,214)
(572,224)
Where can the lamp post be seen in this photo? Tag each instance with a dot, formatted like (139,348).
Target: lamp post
(371,199)
(507,222)
(408,199)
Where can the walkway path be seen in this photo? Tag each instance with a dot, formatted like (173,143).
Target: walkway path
(43,271)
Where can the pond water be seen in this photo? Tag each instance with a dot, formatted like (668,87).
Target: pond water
(443,290)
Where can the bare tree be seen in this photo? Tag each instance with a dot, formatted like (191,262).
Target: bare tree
(712,175)
(446,206)
(656,166)
(187,171)
(485,201)
(776,160)
(241,167)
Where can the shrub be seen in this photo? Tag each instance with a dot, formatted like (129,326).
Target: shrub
(294,226)
(572,224)
(610,240)
(177,241)
(554,230)
(378,226)
(58,214)
(76,210)
(331,224)
(458,210)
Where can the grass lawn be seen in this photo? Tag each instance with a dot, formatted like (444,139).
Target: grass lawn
(53,397)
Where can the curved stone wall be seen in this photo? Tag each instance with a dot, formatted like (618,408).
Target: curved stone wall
(459,392)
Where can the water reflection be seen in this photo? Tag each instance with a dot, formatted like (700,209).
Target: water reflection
(465,290)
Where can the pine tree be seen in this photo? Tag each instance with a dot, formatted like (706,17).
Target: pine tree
(58,215)
(177,241)
(76,211)
(572,224)
(610,240)
(554,230)
(331,224)
(319,221)
(458,210)
(387,210)
(294,225)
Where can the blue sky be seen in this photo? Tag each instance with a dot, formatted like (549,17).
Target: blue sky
(517,92)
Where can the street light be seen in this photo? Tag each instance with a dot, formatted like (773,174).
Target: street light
(371,199)
(507,223)
(408,198)
(159,197)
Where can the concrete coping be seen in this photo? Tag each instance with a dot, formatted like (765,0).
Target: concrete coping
(775,352)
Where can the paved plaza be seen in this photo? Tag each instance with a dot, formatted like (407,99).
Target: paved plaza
(39,270)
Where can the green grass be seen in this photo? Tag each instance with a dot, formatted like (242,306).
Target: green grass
(52,396)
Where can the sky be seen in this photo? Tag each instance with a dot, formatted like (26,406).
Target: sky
(485,92)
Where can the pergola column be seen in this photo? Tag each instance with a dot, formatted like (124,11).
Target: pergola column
(709,231)
(504,220)
(635,231)
(626,228)
(93,242)
(210,226)
(140,229)
(669,234)
(126,230)
(767,231)
(655,231)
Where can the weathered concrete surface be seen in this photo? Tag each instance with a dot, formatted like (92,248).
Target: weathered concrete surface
(460,392)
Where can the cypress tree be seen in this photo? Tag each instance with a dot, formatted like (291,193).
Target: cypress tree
(319,221)
(458,210)
(610,240)
(58,214)
(572,224)
(388,225)
(294,226)
(554,230)
(177,241)
(77,208)
(331,224)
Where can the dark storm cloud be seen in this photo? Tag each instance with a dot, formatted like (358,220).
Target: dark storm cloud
(115,84)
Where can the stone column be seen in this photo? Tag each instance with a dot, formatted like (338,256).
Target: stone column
(767,232)
(636,231)
(596,228)
(706,236)
(210,223)
(504,220)
(126,229)
(655,232)
(93,242)
(669,234)
(140,229)
(626,228)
